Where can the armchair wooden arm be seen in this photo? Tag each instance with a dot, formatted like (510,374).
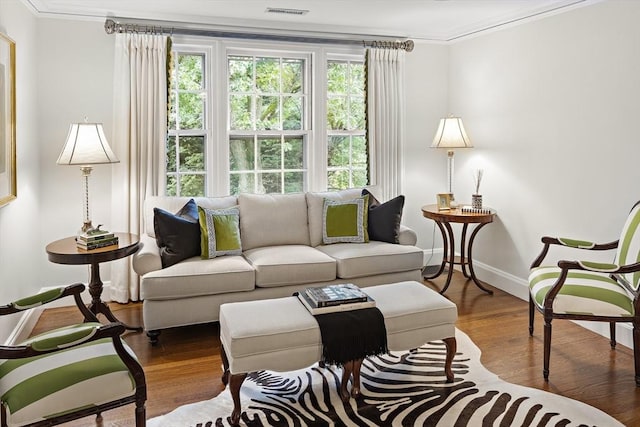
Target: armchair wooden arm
(49,296)
(547,241)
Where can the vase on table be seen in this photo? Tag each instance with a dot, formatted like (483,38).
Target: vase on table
(476,201)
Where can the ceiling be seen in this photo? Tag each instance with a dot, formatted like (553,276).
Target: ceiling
(436,20)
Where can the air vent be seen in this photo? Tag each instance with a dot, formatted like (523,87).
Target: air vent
(284,11)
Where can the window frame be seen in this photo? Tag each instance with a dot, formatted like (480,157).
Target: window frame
(217,118)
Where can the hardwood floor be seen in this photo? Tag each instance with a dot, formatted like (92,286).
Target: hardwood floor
(185,367)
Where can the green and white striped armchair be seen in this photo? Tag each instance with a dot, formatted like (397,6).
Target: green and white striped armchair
(70,372)
(593,291)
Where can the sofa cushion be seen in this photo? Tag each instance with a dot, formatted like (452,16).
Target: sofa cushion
(372,258)
(273,219)
(177,235)
(384,218)
(290,264)
(345,221)
(220,232)
(195,276)
(315,205)
(173,204)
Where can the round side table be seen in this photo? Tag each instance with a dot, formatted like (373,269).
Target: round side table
(65,251)
(443,219)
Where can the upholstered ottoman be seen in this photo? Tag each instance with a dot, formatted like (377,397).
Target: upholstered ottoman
(281,335)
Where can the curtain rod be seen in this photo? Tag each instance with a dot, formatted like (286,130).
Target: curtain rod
(112,27)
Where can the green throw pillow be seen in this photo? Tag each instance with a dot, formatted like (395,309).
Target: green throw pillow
(345,221)
(219,232)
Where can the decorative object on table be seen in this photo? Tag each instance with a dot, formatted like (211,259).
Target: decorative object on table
(8,187)
(86,145)
(451,134)
(444,201)
(471,209)
(96,238)
(395,392)
(476,198)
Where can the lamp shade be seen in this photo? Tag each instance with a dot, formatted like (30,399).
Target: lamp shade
(86,145)
(451,134)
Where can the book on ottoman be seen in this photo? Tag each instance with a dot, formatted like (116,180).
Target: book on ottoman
(313,309)
(325,296)
(333,298)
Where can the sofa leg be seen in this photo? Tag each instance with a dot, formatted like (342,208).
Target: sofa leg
(153,337)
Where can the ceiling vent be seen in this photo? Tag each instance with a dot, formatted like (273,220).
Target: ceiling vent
(284,11)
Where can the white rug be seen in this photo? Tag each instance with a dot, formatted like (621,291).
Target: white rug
(400,389)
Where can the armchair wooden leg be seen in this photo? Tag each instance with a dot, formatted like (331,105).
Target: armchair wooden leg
(547,347)
(636,350)
(612,334)
(532,310)
(141,415)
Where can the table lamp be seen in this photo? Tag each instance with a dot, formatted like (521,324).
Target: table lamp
(86,145)
(450,135)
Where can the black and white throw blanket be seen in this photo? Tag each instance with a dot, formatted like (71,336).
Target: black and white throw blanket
(398,389)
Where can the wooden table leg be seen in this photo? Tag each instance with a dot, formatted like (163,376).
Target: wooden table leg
(235,382)
(98,306)
(452,347)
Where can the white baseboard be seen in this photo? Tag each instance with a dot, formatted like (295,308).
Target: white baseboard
(29,318)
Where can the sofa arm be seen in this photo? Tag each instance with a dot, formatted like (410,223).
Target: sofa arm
(148,257)
(407,236)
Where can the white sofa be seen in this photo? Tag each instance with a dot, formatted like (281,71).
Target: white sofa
(281,237)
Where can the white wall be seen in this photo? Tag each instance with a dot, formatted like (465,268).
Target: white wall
(64,72)
(552,108)
(427,81)
(20,220)
(75,80)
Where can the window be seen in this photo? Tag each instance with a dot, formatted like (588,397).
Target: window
(249,118)
(347,164)
(187,138)
(268,114)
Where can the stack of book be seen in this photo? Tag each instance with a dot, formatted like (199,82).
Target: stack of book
(332,298)
(95,239)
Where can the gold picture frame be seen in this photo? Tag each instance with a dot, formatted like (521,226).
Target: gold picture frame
(8,187)
(444,201)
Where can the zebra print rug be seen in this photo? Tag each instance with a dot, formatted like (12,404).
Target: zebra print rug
(399,389)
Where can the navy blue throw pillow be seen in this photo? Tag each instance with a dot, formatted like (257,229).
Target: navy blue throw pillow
(177,235)
(384,218)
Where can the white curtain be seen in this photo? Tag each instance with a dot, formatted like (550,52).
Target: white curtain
(385,118)
(140,128)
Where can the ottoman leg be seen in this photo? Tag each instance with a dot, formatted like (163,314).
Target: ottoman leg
(225,365)
(355,386)
(350,371)
(235,383)
(452,346)
(347,369)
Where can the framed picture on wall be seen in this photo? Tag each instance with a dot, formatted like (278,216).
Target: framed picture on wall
(444,201)
(8,188)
